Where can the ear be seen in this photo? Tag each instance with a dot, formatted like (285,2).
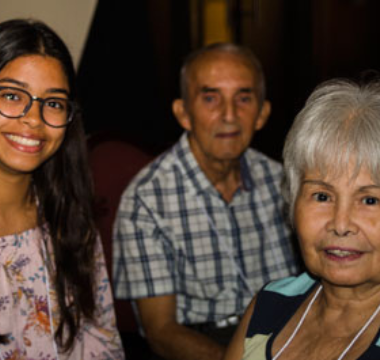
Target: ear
(179,111)
(263,116)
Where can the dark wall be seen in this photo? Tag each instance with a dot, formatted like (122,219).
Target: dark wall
(129,72)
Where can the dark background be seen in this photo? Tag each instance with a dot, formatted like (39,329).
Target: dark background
(128,75)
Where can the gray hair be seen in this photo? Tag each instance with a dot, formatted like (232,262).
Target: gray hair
(228,48)
(340,123)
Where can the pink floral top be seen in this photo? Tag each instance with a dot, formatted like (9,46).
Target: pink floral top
(29,311)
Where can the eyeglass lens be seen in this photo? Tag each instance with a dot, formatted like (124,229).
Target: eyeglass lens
(15,103)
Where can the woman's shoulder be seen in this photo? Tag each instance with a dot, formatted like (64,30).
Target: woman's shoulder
(291,286)
(278,301)
(28,233)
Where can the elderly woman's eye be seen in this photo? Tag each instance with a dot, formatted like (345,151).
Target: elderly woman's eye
(369,200)
(321,197)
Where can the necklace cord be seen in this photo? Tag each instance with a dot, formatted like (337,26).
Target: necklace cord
(299,324)
(361,331)
(350,345)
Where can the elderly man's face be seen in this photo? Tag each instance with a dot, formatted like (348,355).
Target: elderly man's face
(337,221)
(222,111)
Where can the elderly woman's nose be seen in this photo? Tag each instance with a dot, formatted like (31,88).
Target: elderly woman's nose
(342,222)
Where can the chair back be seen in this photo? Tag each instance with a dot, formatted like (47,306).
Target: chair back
(114,162)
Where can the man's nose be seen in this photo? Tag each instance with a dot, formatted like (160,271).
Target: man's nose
(229,114)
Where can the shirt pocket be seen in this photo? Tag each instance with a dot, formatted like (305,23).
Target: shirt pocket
(205,276)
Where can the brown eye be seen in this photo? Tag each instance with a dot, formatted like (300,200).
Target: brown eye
(209,98)
(321,197)
(11,97)
(55,104)
(245,99)
(370,200)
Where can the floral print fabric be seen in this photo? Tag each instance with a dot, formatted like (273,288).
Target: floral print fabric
(29,312)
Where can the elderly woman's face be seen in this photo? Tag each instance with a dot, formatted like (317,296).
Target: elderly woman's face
(338,225)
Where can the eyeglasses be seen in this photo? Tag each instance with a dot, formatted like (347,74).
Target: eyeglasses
(54,111)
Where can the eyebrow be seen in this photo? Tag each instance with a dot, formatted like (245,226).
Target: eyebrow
(322,183)
(369,187)
(247,90)
(206,89)
(25,86)
(317,182)
(14,81)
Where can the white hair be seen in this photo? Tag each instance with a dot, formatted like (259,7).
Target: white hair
(339,124)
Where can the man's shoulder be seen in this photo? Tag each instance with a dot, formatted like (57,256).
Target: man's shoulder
(262,169)
(159,172)
(254,156)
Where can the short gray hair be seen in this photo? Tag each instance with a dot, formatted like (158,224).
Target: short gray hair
(339,123)
(228,48)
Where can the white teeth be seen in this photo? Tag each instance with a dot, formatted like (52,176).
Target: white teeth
(23,141)
(341,253)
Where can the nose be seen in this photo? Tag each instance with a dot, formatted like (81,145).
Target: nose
(229,114)
(342,222)
(32,115)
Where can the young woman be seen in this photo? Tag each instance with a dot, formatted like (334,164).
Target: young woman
(55,298)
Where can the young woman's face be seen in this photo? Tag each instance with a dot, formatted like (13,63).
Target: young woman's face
(27,142)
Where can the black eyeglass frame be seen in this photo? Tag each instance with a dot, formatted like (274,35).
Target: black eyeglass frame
(42,101)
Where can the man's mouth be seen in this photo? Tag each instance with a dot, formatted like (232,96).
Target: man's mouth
(228,134)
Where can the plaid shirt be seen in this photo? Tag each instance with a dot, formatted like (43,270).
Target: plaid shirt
(174,234)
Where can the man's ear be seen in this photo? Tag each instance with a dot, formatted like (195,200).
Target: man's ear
(263,116)
(179,111)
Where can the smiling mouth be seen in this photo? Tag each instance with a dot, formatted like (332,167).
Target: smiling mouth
(23,140)
(342,253)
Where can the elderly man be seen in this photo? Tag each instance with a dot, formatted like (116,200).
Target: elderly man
(201,229)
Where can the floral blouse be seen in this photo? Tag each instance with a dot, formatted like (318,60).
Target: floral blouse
(29,312)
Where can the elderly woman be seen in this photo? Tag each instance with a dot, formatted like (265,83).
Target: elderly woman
(332,166)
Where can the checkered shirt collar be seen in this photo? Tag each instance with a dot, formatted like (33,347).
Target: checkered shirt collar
(194,173)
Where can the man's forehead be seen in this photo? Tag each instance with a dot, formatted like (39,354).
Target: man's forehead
(213,68)
(207,61)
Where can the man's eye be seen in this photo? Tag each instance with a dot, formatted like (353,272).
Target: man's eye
(209,98)
(321,197)
(245,99)
(370,200)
